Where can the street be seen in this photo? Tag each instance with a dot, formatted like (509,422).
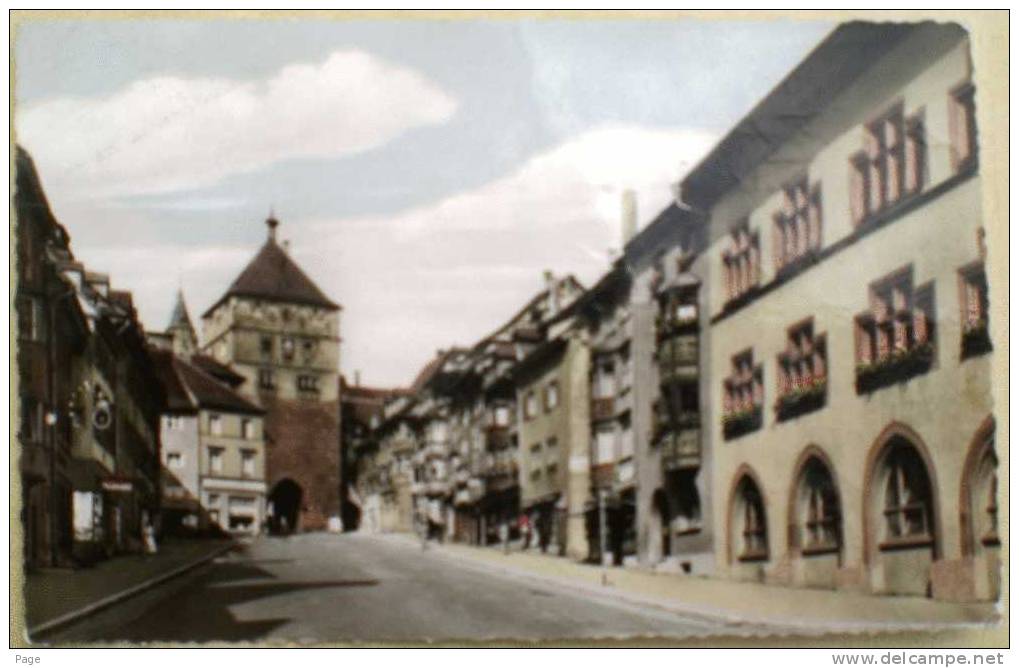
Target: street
(318,588)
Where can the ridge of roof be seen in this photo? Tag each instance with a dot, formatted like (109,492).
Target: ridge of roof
(832,66)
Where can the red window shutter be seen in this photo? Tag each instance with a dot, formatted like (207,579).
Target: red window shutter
(920,332)
(863,344)
(820,368)
(914,158)
(783,378)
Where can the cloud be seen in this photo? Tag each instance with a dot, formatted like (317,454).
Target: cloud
(169,133)
(434,276)
(452,271)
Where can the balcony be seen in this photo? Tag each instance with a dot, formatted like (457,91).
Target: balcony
(603,408)
(681,449)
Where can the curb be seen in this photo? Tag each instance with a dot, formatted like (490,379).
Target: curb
(33,634)
(771,626)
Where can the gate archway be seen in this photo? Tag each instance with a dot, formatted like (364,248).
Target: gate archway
(286,499)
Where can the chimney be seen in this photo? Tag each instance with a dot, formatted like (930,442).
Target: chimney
(629,218)
(551,285)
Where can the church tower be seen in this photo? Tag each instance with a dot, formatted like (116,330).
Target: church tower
(180,330)
(276,328)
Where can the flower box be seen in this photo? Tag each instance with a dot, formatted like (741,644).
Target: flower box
(976,340)
(741,422)
(898,367)
(803,400)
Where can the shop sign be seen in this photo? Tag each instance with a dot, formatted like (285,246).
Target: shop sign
(114,485)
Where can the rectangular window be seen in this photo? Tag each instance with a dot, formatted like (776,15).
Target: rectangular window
(306,383)
(975,313)
(802,372)
(551,396)
(288,348)
(215,425)
(743,396)
(247,428)
(962,126)
(741,262)
(895,336)
(266,379)
(530,405)
(265,346)
(605,446)
(798,225)
(891,166)
(215,460)
(248,463)
(552,449)
(174,460)
(502,416)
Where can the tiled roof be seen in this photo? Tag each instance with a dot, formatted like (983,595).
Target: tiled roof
(177,397)
(220,371)
(188,387)
(273,275)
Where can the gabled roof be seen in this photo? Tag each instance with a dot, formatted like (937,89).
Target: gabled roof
(189,388)
(274,276)
(219,371)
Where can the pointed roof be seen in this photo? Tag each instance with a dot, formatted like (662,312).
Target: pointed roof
(180,317)
(274,276)
(188,387)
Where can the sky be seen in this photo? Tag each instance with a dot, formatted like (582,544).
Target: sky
(425,172)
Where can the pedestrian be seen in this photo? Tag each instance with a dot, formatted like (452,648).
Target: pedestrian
(504,536)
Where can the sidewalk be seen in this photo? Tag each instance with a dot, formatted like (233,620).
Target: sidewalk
(56,596)
(795,609)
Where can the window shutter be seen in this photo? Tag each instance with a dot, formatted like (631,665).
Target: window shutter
(893,158)
(920,333)
(863,347)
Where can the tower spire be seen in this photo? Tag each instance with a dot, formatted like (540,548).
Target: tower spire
(272,223)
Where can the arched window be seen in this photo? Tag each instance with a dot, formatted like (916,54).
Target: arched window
(818,514)
(984,502)
(751,522)
(907,502)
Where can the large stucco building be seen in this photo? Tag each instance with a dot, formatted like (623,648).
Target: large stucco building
(850,410)
(278,330)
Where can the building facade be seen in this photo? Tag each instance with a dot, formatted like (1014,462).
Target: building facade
(276,328)
(89,401)
(213,457)
(851,418)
